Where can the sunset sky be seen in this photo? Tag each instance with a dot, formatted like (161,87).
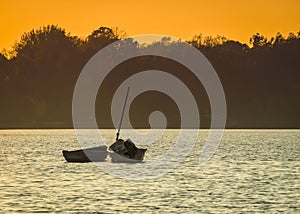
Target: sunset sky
(234,19)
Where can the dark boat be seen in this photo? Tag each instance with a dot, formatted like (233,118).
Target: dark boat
(95,154)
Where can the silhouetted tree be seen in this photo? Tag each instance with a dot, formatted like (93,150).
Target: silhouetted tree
(100,38)
(261,82)
(258,40)
(3,68)
(207,41)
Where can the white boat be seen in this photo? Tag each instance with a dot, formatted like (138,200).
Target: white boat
(125,151)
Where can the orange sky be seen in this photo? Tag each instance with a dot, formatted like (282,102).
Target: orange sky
(235,19)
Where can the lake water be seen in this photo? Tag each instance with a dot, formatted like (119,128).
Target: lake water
(252,171)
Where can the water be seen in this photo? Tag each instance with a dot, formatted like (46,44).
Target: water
(252,171)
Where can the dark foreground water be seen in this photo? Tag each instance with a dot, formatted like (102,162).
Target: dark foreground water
(252,171)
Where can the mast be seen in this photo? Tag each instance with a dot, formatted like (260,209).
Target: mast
(122,115)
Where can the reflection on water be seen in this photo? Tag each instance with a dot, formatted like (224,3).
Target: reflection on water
(253,170)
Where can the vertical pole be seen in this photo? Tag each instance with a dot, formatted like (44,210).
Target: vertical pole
(122,115)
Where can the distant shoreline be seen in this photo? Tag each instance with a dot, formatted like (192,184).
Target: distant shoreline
(169,128)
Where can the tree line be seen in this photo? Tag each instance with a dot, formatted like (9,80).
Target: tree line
(261,81)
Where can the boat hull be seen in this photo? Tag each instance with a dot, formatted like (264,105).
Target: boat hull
(122,158)
(95,154)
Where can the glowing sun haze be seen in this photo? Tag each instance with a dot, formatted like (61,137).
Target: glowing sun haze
(234,19)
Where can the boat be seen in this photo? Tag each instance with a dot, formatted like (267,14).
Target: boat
(95,154)
(100,153)
(120,158)
(125,152)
